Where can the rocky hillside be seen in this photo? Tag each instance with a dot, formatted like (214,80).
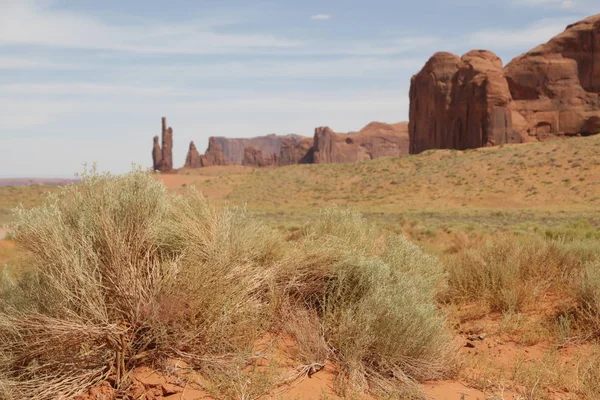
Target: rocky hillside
(375,140)
(162,155)
(473,101)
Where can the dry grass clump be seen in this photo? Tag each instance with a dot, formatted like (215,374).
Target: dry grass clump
(375,294)
(120,273)
(588,374)
(586,292)
(508,272)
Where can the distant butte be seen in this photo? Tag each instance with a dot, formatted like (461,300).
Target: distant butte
(472,101)
(375,140)
(162,156)
(455,103)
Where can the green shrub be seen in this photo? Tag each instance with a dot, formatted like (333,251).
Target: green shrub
(375,293)
(506,273)
(581,229)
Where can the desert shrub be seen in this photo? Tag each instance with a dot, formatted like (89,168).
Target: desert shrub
(588,373)
(118,272)
(580,229)
(122,273)
(375,294)
(587,296)
(508,272)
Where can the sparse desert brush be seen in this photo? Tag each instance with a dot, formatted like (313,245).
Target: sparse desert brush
(375,294)
(588,373)
(507,272)
(580,229)
(122,273)
(119,273)
(587,297)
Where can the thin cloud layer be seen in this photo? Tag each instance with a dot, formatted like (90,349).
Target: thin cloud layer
(29,23)
(530,36)
(320,16)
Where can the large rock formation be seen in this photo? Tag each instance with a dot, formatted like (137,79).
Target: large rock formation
(162,157)
(233,149)
(556,86)
(214,154)
(471,101)
(259,151)
(296,152)
(253,156)
(193,159)
(374,140)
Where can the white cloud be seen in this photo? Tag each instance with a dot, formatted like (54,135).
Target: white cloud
(581,5)
(538,2)
(539,32)
(33,63)
(28,22)
(84,88)
(346,67)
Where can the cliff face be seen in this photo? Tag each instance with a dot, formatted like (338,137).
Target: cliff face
(461,103)
(162,157)
(296,152)
(374,140)
(471,101)
(193,159)
(234,149)
(254,157)
(556,86)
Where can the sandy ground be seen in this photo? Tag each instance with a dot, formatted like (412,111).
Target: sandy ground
(2,233)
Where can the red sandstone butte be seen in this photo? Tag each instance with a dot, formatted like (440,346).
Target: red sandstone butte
(162,157)
(373,141)
(472,101)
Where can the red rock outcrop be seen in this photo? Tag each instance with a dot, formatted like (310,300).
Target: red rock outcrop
(193,159)
(253,156)
(233,149)
(556,86)
(461,103)
(374,140)
(156,154)
(214,154)
(472,101)
(162,157)
(296,152)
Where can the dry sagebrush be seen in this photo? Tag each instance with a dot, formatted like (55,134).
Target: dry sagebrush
(508,272)
(375,294)
(120,273)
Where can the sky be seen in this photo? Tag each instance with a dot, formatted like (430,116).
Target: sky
(87,81)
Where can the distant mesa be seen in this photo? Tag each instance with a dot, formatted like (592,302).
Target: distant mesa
(162,156)
(375,140)
(455,103)
(473,101)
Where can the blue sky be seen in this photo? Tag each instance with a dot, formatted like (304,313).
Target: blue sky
(87,81)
